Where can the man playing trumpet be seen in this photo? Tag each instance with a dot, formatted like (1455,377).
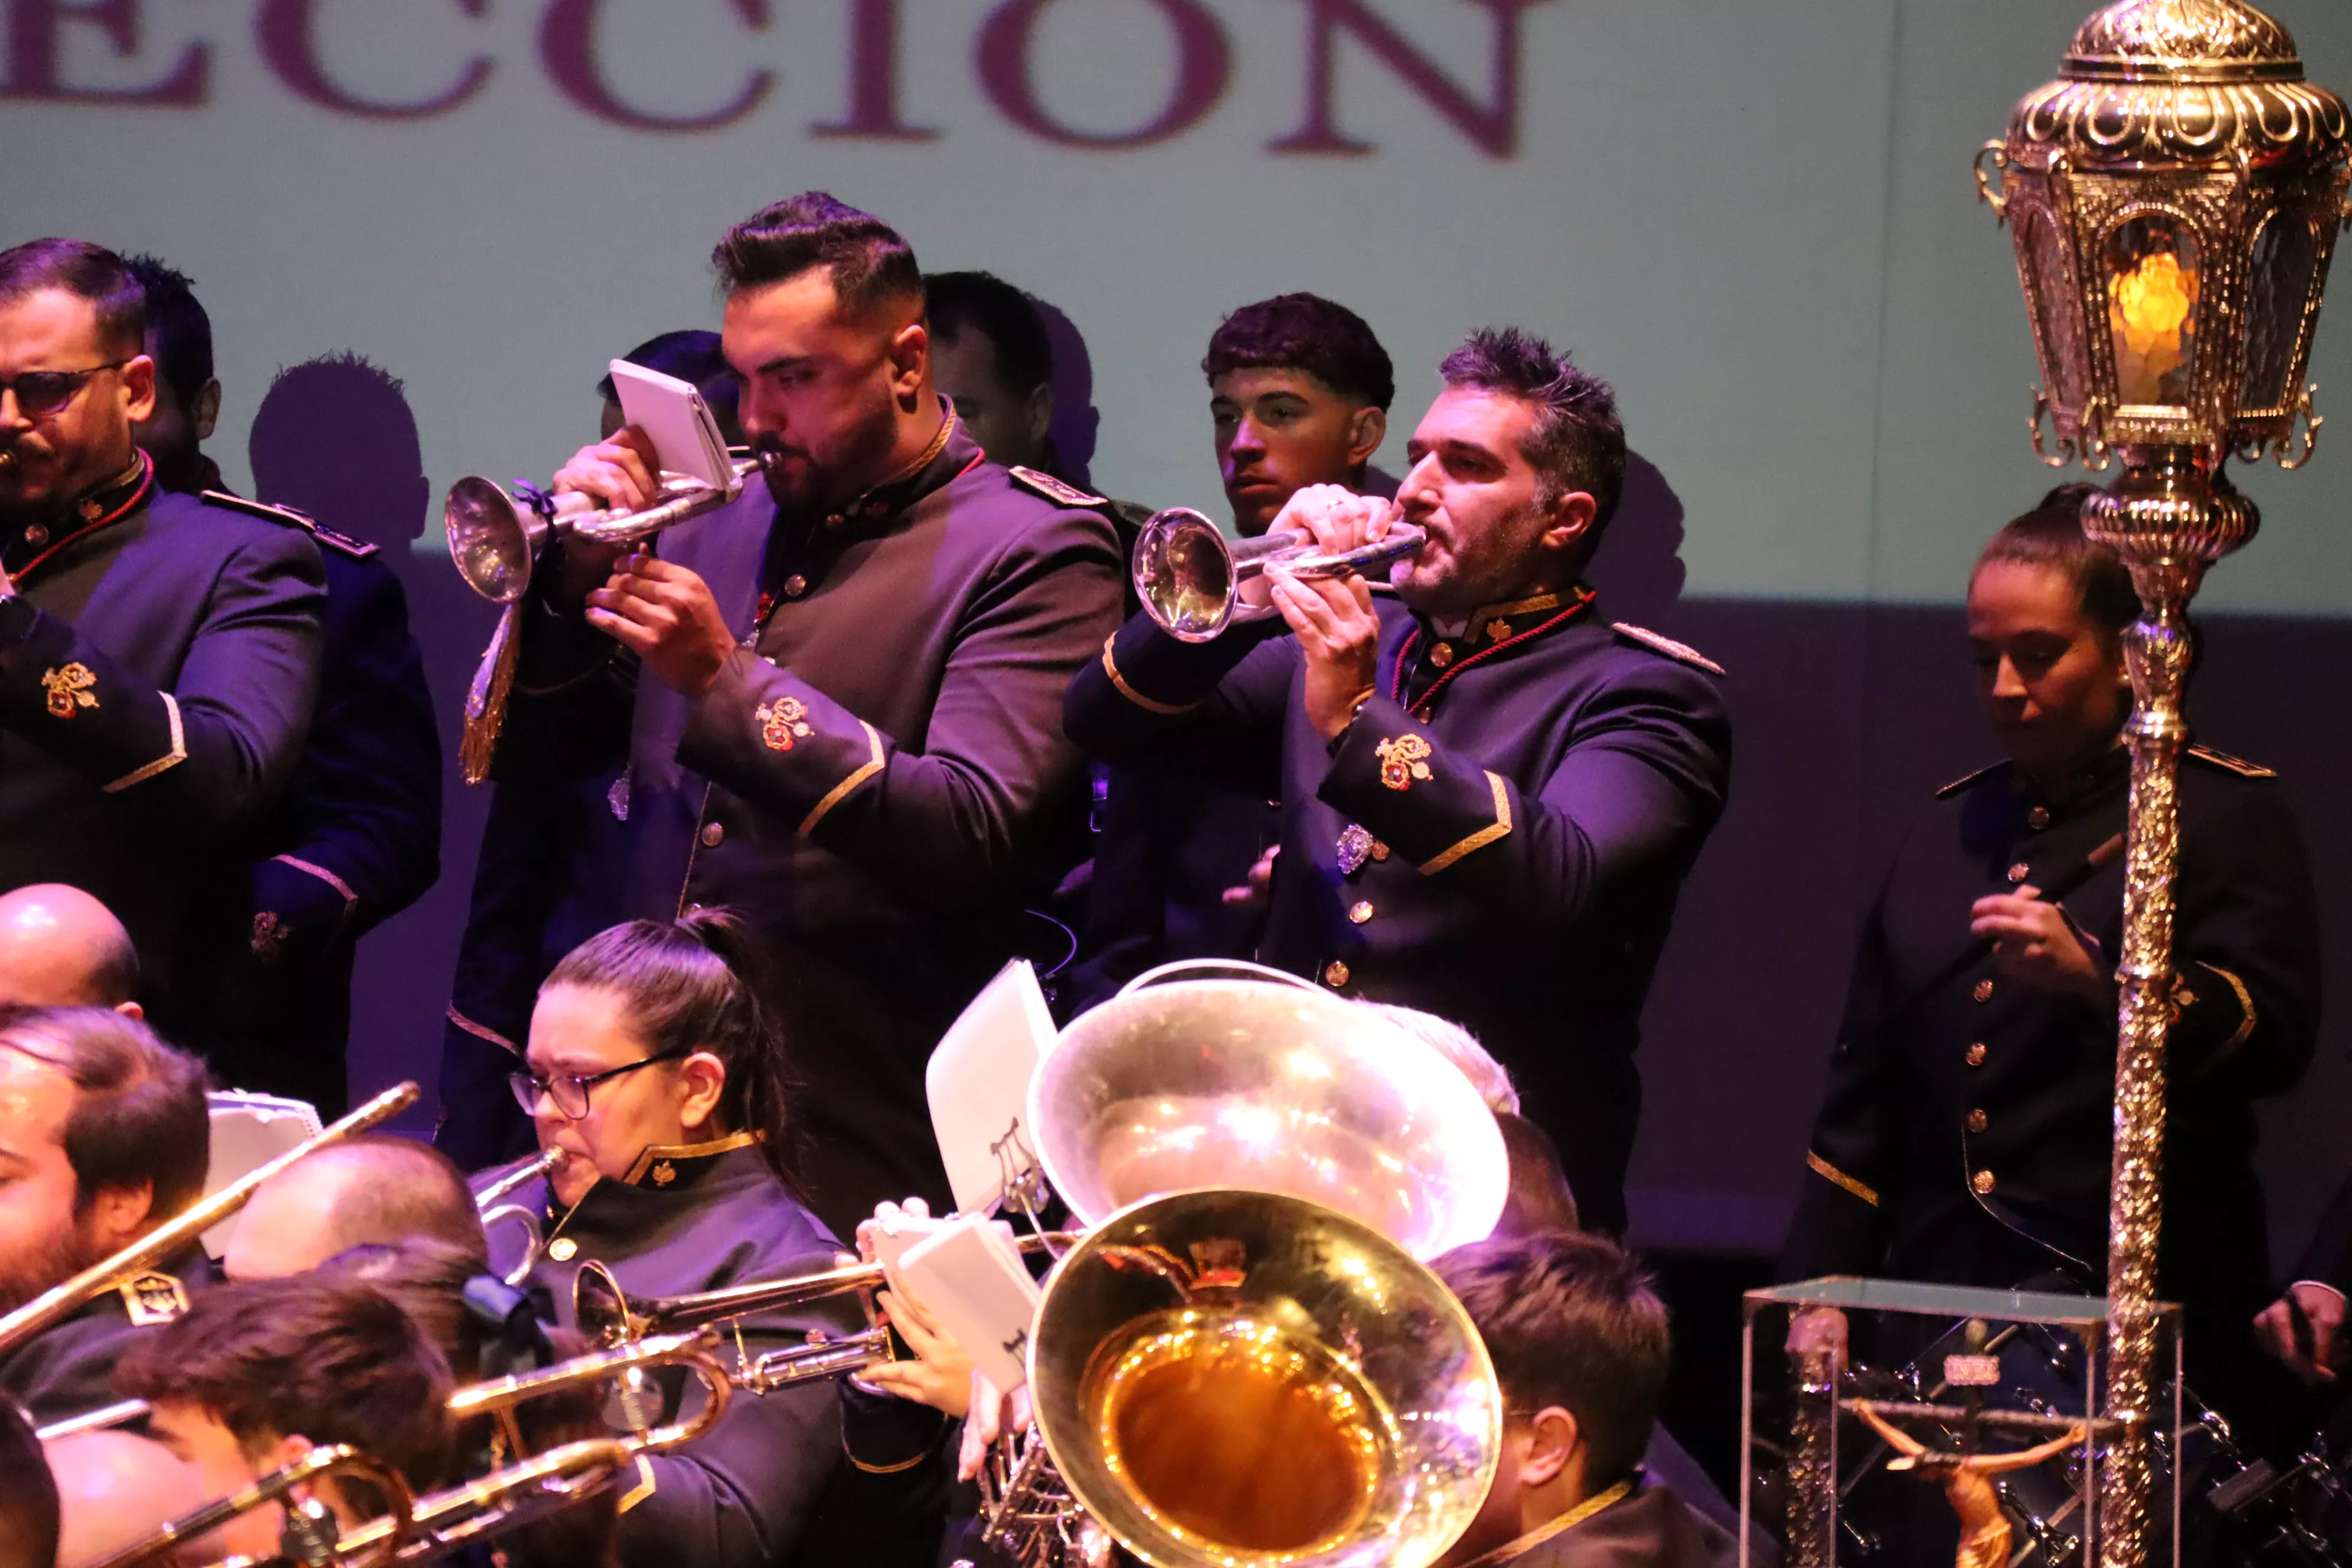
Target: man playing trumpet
(1490,793)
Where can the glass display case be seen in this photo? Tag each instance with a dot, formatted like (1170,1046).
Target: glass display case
(1885,1423)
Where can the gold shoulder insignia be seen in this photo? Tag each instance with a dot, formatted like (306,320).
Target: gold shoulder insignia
(153,1297)
(1665,644)
(1957,784)
(1053,489)
(2238,765)
(343,543)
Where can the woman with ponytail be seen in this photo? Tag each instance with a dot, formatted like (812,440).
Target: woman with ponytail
(654,1068)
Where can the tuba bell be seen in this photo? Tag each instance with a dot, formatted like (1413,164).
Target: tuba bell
(1196,583)
(1252,1380)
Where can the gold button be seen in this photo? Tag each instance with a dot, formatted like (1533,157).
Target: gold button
(2037,818)
(1380,850)
(563,1248)
(1359,913)
(1976,1122)
(1334,975)
(795,585)
(1981,1182)
(2018,872)
(1442,655)
(712,834)
(1983,992)
(37,536)
(1977,1054)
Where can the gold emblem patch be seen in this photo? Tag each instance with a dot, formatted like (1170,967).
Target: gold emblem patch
(783,723)
(69,688)
(1402,761)
(270,934)
(153,1297)
(665,1173)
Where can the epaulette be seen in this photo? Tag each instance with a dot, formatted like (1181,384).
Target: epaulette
(153,1297)
(1957,784)
(358,549)
(1053,489)
(2238,765)
(1665,644)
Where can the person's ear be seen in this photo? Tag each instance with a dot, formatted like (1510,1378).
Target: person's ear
(910,361)
(117,1213)
(282,1453)
(1366,430)
(1571,518)
(1553,1443)
(702,1077)
(206,412)
(131,1009)
(139,388)
(1041,412)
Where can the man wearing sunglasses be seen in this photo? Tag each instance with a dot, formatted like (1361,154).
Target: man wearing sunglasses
(159,657)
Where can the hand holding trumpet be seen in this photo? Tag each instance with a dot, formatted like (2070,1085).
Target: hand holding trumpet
(1339,631)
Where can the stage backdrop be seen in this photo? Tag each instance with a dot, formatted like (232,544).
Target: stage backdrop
(1756,220)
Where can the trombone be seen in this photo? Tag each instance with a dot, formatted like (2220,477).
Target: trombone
(52,1307)
(496,1213)
(1195,583)
(310,1535)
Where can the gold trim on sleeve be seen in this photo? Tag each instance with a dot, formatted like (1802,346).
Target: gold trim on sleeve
(642,1491)
(903,1464)
(1824,1169)
(1111,667)
(2245,1003)
(1483,837)
(179,753)
(833,797)
(321,873)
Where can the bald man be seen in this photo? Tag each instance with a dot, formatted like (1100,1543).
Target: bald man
(115,1488)
(62,948)
(373,1189)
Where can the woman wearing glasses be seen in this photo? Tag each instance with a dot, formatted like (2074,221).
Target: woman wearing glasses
(653,1067)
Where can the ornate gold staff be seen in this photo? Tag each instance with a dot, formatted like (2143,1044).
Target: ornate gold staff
(2174,197)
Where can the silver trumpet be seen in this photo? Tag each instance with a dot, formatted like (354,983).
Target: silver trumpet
(1195,583)
(495,536)
(497,1213)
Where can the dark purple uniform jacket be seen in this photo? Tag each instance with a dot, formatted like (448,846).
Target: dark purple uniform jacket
(1523,838)
(870,782)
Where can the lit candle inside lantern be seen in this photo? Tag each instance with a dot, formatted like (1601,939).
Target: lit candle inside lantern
(2152,308)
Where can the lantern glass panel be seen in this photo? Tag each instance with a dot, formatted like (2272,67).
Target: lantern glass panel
(2154,280)
(2059,305)
(2278,285)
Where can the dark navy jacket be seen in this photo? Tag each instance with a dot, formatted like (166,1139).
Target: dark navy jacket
(870,785)
(1527,833)
(69,1369)
(157,674)
(688,1219)
(1966,1136)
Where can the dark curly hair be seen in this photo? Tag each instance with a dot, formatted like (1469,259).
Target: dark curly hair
(1305,332)
(1578,443)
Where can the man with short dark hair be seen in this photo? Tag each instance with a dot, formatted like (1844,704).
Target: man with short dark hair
(1580,1347)
(375,1189)
(995,363)
(103,1136)
(158,657)
(187,394)
(837,698)
(1299,389)
(1490,794)
(256,1374)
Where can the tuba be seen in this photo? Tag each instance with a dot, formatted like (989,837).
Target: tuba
(1196,583)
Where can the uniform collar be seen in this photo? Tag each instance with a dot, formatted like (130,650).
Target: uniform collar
(1489,625)
(2092,787)
(94,509)
(949,453)
(665,1165)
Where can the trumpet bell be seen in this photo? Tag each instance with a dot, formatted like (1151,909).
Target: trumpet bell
(1252,1380)
(1237,1083)
(1183,573)
(491,540)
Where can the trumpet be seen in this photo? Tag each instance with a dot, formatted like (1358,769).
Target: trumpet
(496,537)
(1195,583)
(52,1307)
(496,1213)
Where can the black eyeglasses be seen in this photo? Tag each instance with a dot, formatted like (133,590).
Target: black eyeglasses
(569,1089)
(40,392)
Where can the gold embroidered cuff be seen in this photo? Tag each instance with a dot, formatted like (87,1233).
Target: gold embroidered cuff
(834,796)
(1111,667)
(1824,1169)
(178,754)
(1480,840)
(322,874)
(2246,1005)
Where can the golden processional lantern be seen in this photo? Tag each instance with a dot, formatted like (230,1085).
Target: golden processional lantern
(2175,197)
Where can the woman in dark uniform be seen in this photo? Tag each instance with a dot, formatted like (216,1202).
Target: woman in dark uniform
(652,1064)
(1965,1135)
